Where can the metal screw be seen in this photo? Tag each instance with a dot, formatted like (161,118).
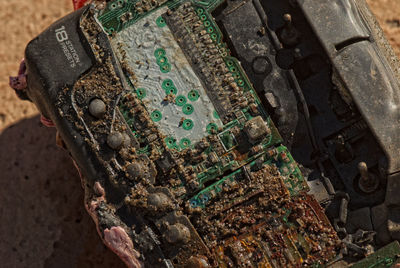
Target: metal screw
(288,21)
(363,169)
(289,34)
(368,182)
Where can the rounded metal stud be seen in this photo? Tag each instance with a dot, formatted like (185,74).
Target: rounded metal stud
(288,20)
(177,233)
(289,34)
(368,182)
(135,170)
(197,262)
(97,108)
(115,140)
(158,200)
(127,140)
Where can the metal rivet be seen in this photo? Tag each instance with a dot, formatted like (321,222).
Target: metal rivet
(368,182)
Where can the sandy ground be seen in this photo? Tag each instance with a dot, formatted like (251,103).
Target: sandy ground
(44,223)
(388,15)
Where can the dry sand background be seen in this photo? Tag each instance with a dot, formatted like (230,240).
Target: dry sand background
(43,221)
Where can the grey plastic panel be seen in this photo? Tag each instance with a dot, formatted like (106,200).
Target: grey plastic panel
(375,92)
(335,21)
(272,80)
(363,69)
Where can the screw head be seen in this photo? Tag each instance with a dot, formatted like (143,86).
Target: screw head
(287,18)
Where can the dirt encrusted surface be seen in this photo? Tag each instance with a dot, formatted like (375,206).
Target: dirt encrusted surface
(44,222)
(260,213)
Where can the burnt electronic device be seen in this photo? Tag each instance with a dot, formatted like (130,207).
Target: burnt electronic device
(215,133)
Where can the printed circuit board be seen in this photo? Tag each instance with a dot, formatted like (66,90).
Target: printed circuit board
(195,115)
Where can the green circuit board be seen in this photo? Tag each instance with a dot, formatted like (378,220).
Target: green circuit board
(278,157)
(185,100)
(120,14)
(388,256)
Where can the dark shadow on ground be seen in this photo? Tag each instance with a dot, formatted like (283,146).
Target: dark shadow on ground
(43,220)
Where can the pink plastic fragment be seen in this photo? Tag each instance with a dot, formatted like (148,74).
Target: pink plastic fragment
(46,122)
(78,3)
(19,82)
(118,241)
(99,190)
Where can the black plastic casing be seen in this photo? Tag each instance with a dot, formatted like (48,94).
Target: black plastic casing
(55,60)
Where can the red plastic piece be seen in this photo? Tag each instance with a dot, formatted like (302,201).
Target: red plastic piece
(46,122)
(79,3)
